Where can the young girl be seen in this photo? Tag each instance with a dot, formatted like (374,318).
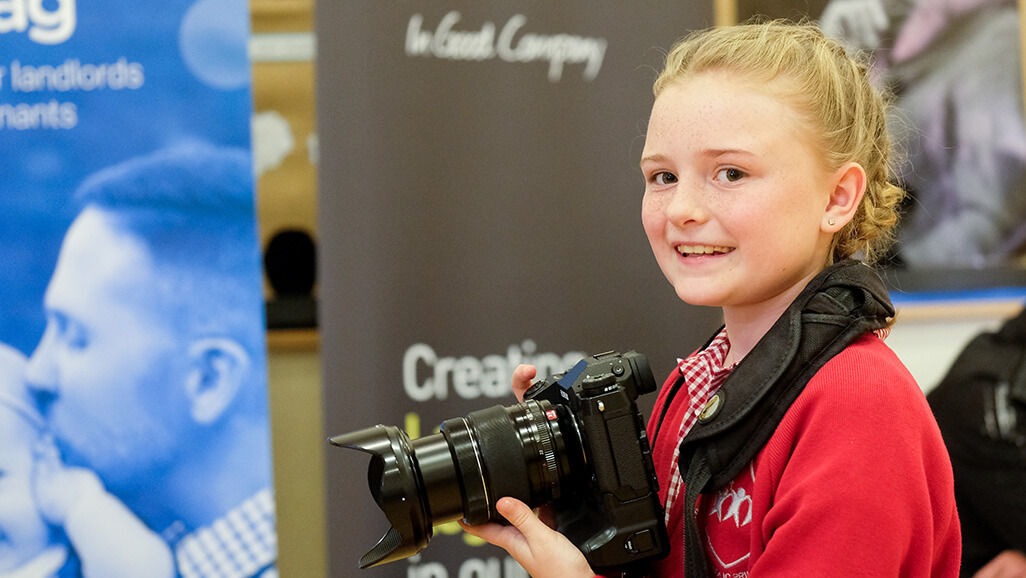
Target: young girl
(795,443)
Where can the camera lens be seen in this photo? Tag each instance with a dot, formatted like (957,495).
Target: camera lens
(514,451)
(526,451)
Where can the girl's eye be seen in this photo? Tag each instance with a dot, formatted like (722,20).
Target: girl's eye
(664,178)
(730,175)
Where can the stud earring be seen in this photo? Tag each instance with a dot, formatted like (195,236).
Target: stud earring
(830,222)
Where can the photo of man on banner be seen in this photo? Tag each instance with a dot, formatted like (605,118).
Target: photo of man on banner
(151,369)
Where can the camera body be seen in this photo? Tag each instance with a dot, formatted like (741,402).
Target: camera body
(613,515)
(577,443)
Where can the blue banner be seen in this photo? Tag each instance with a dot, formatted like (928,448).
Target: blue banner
(134,366)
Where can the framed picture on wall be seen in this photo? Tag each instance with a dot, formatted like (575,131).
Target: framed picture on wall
(955,68)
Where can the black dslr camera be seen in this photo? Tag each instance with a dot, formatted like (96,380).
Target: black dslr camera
(577,442)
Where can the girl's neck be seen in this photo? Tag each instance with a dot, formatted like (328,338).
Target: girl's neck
(747,324)
(744,333)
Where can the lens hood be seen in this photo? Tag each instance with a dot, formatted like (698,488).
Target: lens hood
(395,485)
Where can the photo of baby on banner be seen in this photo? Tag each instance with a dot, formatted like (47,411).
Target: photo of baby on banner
(55,518)
(144,404)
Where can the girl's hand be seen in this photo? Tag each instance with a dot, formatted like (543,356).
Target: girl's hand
(1008,564)
(542,551)
(522,377)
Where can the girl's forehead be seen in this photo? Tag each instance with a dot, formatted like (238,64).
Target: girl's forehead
(721,112)
(727,101)
(779,87)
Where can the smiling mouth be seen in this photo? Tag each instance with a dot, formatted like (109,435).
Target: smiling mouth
(702,250)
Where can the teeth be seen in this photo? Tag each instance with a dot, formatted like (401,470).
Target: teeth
(701,250)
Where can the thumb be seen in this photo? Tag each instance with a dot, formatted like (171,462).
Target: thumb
(539,549)
(520,516)
(522,377)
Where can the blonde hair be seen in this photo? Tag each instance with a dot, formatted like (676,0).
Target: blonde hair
(829,88)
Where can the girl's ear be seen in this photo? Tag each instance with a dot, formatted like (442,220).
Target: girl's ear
(849,186)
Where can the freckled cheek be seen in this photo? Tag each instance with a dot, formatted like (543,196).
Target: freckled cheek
(652,218)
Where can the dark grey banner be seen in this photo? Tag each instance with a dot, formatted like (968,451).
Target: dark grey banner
(480,205)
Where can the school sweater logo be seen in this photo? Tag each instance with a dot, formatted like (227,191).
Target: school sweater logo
(727,528)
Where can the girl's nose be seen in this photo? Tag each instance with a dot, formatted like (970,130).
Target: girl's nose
(685,206)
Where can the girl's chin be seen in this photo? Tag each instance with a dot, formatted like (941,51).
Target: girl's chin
(692,295)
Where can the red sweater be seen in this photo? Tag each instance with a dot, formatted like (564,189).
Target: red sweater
(855,481)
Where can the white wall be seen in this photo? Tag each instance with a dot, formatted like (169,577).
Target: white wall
(928,337)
